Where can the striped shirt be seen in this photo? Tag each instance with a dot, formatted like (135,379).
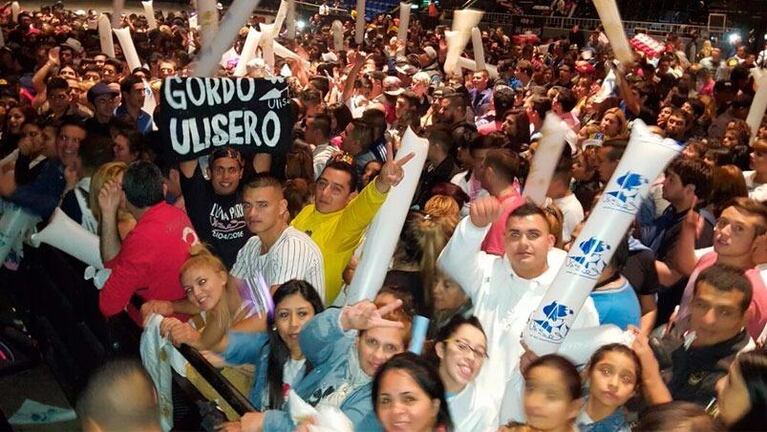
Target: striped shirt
(293,256)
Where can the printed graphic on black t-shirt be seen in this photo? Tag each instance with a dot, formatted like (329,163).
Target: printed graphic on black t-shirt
(218,219)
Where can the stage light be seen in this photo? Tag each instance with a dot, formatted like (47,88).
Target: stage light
(300,25)
(733,38)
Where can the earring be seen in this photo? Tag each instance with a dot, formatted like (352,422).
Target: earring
(274,328)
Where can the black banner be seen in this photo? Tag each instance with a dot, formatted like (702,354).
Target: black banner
(199,114)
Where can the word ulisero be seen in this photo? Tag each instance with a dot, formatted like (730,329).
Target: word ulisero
(201,113)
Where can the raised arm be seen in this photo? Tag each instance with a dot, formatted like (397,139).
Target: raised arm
(109,236)
(461,258)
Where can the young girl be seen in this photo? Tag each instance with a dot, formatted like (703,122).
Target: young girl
(614,373)
(277,355)
(461,350)
(552,396)
(224,303)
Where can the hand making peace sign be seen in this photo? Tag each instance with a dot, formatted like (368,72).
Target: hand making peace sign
(365,315)
(391,172)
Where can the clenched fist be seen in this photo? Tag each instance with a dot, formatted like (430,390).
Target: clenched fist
(484,211)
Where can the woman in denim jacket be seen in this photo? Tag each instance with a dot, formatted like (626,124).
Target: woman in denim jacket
(346,347)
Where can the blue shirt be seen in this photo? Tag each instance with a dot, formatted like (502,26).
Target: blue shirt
(618,306)
(143,122)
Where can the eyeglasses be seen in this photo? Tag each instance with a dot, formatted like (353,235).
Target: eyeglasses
(465,349)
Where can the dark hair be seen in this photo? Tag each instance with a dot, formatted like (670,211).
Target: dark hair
(297,192)
(754,207)
(567,99)
(94,151)
(521,135)
(345,167)
(278,351)
(727,183)
(425,375)
(143,184)
(127,83)
(103,402)
(503,100)
(676,416)
(753,369)
(541,105)
(56,83)
(441,135)
(226,152)
(262,180)
(616,148)
(620,349)
(693,172)
(571,377)
(455,323)
(485,142)
(504,163)
(529,209)
(727,278)
(321,122)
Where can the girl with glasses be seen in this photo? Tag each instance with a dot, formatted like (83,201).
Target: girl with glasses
(460,351)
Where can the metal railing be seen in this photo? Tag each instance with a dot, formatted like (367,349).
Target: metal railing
(540,22)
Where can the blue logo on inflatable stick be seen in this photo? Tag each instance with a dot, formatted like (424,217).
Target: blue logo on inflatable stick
(553,326)
(626,197)
(590,263)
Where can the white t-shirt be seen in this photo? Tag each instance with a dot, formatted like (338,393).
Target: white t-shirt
(293,256)
(293,371)
(472,410)
(756,191)
(572,210)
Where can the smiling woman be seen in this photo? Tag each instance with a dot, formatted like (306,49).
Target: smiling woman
(408,395)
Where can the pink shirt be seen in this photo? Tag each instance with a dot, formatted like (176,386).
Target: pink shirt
(757,311)
(493,242)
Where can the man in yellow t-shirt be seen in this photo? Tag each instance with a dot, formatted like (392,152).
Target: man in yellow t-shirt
(339,216)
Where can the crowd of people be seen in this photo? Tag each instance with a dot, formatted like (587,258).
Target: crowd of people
(687,282)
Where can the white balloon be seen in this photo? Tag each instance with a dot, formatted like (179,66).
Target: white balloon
(248,51)
(105,36)
(404,23)
(759,104)
(479,49)
(129,50)
(149,12)
(71,238)
(546,157)
(645,158)
(236,17)
(383,234)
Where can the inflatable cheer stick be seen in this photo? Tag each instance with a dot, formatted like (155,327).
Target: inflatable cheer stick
(645,158)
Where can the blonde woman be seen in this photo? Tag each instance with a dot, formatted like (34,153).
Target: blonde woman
(614,125)
(223,302)
(102,176)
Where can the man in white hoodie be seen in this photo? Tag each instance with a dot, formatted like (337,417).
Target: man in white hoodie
(505,290)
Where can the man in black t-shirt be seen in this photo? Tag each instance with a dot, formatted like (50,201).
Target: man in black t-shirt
(215,206)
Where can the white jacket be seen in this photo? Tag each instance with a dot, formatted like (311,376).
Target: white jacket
(503,302)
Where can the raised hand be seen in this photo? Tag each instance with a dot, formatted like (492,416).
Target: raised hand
(53,55)
(392,172)
(484,211)
(366,315)
(109,197)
